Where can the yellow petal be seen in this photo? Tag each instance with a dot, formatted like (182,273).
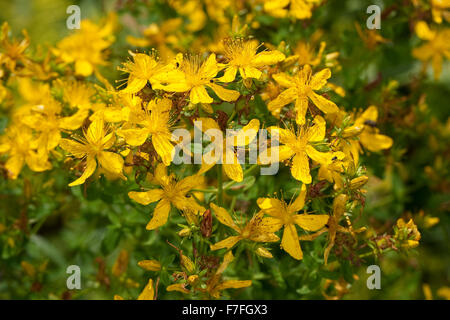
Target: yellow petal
(207,123)
(317,131)
(134,85)
(250,72)
(209,68)
(14,165)
(224,217)
(371,114)
(320,157)
(224,94)
(77,149)
(267,58)
(111,162)
(229,75)
(232,167)
(83,68)
(301,105)
(327,106)
(285,97)
(147,197)
(75,121)
(134,137)
(284,80)
(423,31)
(247,134)
(163,147)
(311,222)
(285,136)
(91,164)
(227,243)
(284,152)
(199,95)
(300,168)
(95,131)
(320,79)
(226,261)
(290,242)
(148,293)
(160,215)
(299,202)
(375,142)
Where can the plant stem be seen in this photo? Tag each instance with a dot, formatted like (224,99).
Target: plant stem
(220,185)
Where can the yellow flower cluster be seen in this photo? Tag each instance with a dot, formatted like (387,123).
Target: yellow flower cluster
(101,130)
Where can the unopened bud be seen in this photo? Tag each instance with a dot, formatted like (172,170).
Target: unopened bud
(358,182)
(187,263)
(184,232)
(263,252)
(352,131)
(150,265)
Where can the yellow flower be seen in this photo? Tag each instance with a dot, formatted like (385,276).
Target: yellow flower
(172,193)
(370,137)
(299,9)
(305,52)
(371,38)
(76,93)
(225,147)
(299,147)
(407,233)
(216,284)
(194,76)
(242,55)
(144,68)
(86,46)
(12,51)
(92,147)
(436,49)
(258,229)
(439,9)
(331,168)
(20,145)
(155,122)
(333,224)
(284,215)
(300,88)
(163,36)
(46,119)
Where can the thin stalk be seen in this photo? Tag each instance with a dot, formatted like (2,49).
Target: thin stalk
(220,185)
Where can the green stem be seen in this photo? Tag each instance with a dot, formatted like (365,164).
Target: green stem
(220,185)
(233,203)
(368,254)
(212,190)
(229,184)
(233,114)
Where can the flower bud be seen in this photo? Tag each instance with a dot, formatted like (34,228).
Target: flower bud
(263,252)
(187,263)
(352,131)
(184,232)
(358,182)
(150,265)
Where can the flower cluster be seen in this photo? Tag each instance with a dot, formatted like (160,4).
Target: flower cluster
(70,116)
